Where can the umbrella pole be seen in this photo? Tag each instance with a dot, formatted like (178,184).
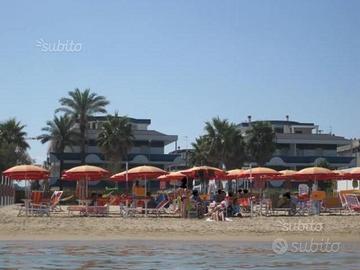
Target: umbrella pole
(145,199)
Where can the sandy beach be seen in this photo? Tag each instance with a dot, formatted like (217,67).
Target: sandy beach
(63,227)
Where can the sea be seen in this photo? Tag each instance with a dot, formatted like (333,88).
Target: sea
(152,254)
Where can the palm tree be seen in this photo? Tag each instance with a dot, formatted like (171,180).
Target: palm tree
(221,145)
(200,155)
(260,142)
(80,105)
(61,133)
(12,132)
(225,142)
(115,140)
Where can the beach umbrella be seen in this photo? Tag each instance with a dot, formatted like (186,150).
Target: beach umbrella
(354,173)
(26,172)
(204,171)
(315,174)
(260,173)
(140,172)
(285,175)
(234,174)
(172,176)
(343,174)
(83,174)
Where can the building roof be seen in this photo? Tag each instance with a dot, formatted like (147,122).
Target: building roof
(279,123)
(154,135)
(132,120)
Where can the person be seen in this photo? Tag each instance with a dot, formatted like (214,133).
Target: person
(94,197)
(151,203)
(233,205)
(220,196)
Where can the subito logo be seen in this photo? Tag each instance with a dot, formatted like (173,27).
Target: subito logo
(280,246)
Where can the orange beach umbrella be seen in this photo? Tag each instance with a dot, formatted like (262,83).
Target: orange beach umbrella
(285,175)
(235,174)
(315,173)
(85,172)
(354,173)
(172,176)
(259,173)
(205,171)
(26,172)
(138,173)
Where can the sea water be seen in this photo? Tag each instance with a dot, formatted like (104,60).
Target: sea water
(149,254)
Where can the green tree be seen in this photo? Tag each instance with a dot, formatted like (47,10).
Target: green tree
(260,142)
(115,140)
(200,155)
(13,145)
(12,132)
(80,105)
(222,145)
(61,133)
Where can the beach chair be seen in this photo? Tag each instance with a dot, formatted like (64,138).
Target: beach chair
(352,203)
(36,206)
(332,205)
(55,200)
(159,208)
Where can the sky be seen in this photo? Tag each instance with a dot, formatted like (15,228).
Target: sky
(181,63)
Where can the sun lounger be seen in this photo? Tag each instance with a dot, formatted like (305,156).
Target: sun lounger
(352,203)
(332,205)
(159,208)
(96,210)
(35,206)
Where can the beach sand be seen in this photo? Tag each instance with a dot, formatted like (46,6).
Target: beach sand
(64,227)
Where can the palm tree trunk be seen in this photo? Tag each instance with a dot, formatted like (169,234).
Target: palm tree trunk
(60,171)
(83,142)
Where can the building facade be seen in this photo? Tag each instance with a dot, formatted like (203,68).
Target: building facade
(148,147)
(300,145)
(351,149)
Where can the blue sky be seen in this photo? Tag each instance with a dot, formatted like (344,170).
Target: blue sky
(181,63)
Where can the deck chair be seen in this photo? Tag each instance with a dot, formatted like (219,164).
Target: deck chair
(55,200)
(36,206)
(332,204)
(352,203)
(159,208)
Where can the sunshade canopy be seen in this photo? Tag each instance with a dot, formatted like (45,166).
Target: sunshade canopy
(149,172)
(85,172)
(26,172)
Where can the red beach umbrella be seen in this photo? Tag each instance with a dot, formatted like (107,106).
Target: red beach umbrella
(315,173)
(172,176)
(86,172)
(138,173)
(354,173)
(235,174)
(260,173)
(26,172)
(285,175)
(205,171)
(83,174)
